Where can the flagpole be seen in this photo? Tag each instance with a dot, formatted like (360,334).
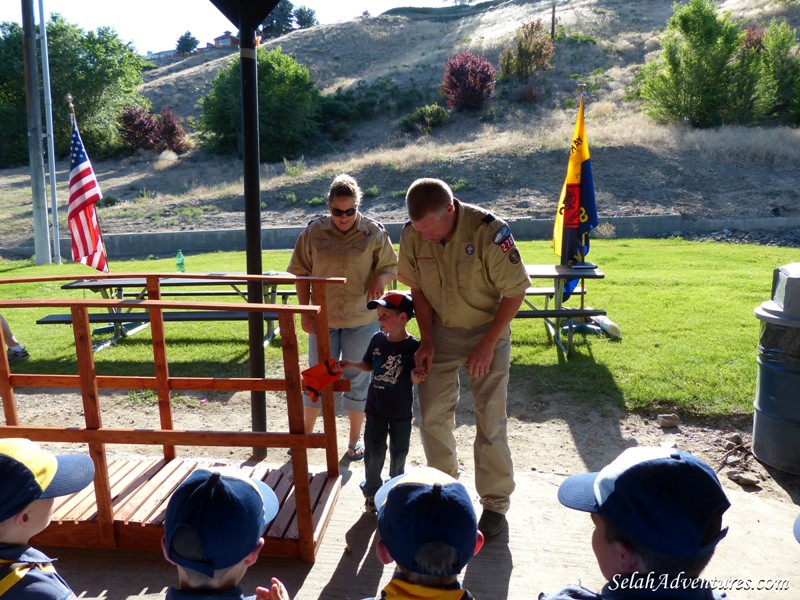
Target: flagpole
(581,102)
(51,152)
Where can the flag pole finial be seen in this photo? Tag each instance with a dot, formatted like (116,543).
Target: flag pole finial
(71,106)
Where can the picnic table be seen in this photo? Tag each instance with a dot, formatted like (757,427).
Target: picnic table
(558,315)
(124,321)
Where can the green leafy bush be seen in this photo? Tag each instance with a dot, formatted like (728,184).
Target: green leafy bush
(468,81)
(96,67)
(706,74)
(532,51)
(425,118)
(288,108)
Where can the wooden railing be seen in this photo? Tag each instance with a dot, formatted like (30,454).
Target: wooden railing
(97,437)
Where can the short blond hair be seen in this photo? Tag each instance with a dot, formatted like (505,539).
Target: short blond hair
(427,195)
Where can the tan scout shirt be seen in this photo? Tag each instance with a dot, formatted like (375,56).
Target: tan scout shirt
(359,255)
(464,278)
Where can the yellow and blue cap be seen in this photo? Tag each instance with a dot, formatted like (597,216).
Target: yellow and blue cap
(29,472)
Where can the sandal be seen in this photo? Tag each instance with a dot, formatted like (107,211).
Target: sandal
(355,452)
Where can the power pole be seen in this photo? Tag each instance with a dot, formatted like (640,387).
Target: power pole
(41,233)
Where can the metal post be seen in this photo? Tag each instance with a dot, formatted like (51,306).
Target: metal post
(51,143)
(252,201)
(41,235)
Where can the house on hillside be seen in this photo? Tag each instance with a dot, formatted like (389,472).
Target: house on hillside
(162,54)
(225,40)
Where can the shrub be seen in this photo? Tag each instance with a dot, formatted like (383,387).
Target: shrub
(532,51)
(704,75)
(141,129)
(425,118)
(288,108)
(171,135)
(138,128)
(468,81)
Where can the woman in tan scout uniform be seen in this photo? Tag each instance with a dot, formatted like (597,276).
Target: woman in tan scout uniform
(467,281)
(345,244)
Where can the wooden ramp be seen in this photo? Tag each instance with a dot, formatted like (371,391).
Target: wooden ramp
(125,505)
(140,490)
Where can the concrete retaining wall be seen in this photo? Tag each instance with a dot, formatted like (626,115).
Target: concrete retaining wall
(136,245)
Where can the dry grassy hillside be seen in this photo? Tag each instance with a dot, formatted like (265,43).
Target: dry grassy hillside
(513,162)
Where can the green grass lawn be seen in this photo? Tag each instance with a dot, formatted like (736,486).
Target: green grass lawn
(689,336)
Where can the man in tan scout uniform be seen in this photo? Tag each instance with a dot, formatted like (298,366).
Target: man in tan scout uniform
(467,281)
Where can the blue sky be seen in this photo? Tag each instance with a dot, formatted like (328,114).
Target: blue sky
(155,25)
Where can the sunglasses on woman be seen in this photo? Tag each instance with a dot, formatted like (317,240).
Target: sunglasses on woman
(338,212)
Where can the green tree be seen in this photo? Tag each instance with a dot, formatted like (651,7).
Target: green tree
(96,67)
(279,21)
(305,17)
(531,52)
(288,108)
(704,75)
(186,43)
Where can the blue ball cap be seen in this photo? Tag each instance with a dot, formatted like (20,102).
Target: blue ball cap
(660,497)
(421,506)
(29,472)
(797,528)
(223,515)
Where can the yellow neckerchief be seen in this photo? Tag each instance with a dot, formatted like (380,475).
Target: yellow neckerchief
(13,572)
(399,589)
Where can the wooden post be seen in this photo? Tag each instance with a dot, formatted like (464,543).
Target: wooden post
(553,23)
(91,412)
(160,361)
(6,389)
(302,492)
(318,297)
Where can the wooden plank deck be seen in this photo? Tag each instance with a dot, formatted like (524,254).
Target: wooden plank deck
(141,488)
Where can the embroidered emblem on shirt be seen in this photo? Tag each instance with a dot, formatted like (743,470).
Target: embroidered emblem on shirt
(508,243)
(514,256)
(469,249)
(367,233)
(501,234)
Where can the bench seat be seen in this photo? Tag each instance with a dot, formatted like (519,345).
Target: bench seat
(144,317)
(562,313)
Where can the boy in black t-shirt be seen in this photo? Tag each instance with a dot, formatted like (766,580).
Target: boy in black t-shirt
(390,358)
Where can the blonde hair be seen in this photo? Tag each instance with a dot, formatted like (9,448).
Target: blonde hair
(427,196)
(344,186)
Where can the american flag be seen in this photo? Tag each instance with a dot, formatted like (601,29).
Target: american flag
(87,241)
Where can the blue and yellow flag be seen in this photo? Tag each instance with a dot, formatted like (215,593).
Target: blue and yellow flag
(577,212)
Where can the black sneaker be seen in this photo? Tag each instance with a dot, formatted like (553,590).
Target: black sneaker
(492,523)
(17,355)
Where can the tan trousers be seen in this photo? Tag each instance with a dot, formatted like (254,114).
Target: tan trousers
(438,398)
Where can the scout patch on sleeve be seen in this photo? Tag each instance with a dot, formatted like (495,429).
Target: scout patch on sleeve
(503,238)
(514,256)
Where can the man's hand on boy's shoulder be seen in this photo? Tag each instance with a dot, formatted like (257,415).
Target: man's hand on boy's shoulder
(277,591)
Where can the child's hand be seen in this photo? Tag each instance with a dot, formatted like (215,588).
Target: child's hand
(341,365)
(277,591)
(418,375)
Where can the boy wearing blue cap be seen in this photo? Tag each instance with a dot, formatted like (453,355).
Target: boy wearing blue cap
(428,527)
(213,532)
(658,518)
(31,479)
(390,358)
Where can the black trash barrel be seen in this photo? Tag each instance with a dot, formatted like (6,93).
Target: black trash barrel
(776,421)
